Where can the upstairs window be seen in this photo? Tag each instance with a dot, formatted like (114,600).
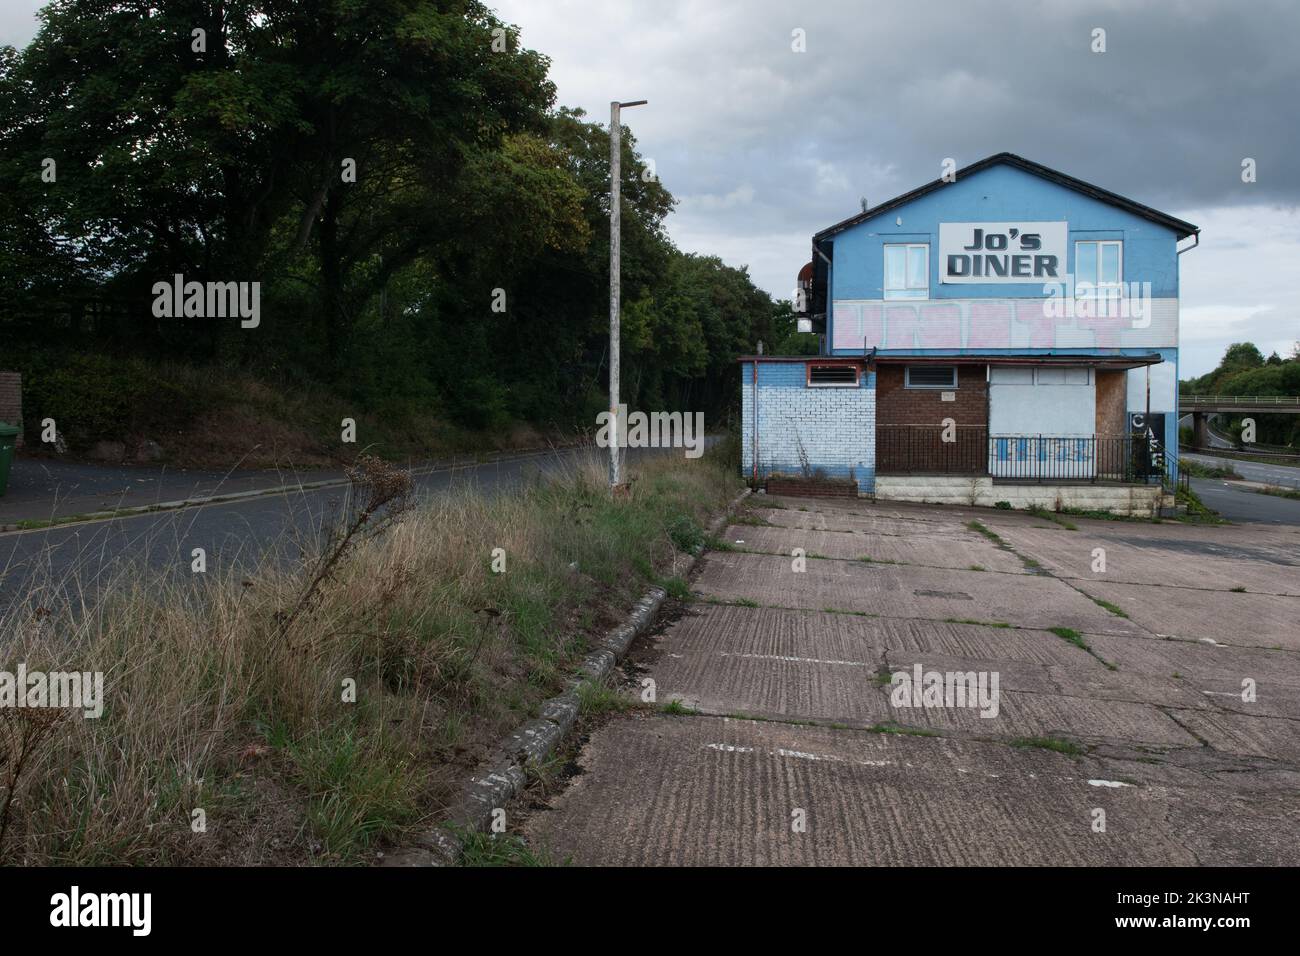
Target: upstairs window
(1098,268)
(931,376)
(907,271)
(833,376)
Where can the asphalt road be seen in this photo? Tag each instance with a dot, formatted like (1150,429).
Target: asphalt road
(1237,501)
(1286,476)
(86,557)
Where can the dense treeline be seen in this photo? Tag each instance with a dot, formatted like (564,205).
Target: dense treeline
(463,271)
(1245,371)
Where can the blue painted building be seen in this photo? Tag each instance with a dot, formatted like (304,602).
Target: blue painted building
(1006,323)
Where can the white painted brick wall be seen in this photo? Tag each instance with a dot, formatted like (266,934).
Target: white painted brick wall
(836,426)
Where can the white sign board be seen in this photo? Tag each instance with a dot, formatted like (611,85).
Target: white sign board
(1003,253)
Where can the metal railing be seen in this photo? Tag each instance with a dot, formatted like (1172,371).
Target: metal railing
(932,450)
(970,450)
(1187,402)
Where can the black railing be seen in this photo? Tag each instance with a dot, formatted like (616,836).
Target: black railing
(970,450)
(932,450)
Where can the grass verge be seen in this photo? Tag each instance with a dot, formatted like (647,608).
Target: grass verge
(1201,470)
(1278,492)
(319,706)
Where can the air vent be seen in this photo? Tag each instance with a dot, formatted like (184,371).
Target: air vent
(931,376)
(831,375)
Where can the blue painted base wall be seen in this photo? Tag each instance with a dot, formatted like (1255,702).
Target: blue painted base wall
(835,428)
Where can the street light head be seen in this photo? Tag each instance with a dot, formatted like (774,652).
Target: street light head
(633,103)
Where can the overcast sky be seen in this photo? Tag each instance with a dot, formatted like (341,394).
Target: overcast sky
(763,146)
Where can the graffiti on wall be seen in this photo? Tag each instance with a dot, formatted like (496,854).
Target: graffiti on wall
(858,324)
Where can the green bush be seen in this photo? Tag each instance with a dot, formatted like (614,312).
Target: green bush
(96,397)
(686,534)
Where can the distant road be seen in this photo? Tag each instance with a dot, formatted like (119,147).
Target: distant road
(1285,476)
(1237,502)
(1215,440)
(240,534)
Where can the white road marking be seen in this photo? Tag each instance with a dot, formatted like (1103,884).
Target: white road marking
(794,660)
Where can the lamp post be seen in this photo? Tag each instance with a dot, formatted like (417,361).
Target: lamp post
(615,220)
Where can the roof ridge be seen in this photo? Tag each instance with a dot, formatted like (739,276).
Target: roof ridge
(1179,226)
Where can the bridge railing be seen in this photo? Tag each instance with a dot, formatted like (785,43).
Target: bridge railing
(1231,401)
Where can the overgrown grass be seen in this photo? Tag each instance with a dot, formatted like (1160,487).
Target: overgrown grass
(981,528)
(1071,635)
(502,849)
(597,698)
(1038,511)
(1197,510)
(326,734)
(212,415)
(1200,470)
(1279,492)
(1113,608)
(676,708)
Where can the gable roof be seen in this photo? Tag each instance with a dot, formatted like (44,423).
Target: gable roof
(1180,228)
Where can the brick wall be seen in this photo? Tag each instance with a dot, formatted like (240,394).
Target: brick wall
(899,405)
(11,400)
(912,449)
(836,426)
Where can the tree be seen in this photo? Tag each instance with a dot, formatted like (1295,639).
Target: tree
(428,231)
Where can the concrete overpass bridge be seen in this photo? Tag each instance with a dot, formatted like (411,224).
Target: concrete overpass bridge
(1200,407)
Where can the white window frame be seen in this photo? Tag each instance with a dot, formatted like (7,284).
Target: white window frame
(1065,370)
(1100,289)
(907,378)
(996,379)
(905,293)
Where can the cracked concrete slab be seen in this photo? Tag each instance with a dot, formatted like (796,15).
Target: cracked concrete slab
(1185,770)
(1273,737)
(797,665)
(715,791)
(861,523)
(1268,566)
(936,551)
(1250,620)
(896,591)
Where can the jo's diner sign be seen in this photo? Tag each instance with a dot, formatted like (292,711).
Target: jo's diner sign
(1002,252)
